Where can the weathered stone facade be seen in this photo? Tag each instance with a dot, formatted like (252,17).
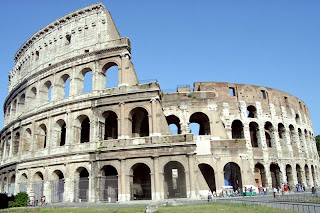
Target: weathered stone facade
(114,144)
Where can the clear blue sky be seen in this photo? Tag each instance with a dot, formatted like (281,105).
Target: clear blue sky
(270,43)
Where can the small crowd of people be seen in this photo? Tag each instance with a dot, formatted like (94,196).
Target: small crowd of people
(300,187)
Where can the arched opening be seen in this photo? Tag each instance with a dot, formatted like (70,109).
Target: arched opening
(23,183)
(251,111)
(232,175)
(8,147)
(254,134)
(140,183)
(111,72)
(275,175)
(140,122)
(86,75)
(301,140)
(5,182)
(282,134)
(46,92)
(60,132)
(21,103)
(299,174)
(63,86)
(31,98)
(84,124)
(175,181)
(81,191)
(109,184)
(313,175)
(297,118)
(306,135)
(57,186)
(269,134)
(16,141)
(237,129)
(306,171)
(260,175)
(292,135)
(14,108)
(203,121)
(110,125)
(208,174)
(174,124)
(42,136)
(11,185)
(27,140)
(38,186)
(289,175)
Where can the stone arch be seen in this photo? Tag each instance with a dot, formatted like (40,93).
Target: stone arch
(260,175)
(307,174)
(12,182)
(232,175)
(140,182)
(81,191)
(32,97)
(57,186)
(174,175)
(251,111)
(268,127)
(110,70)
(289,175)
(292,135)
(23,186)
(27,140)
(313,175)
(139,118)
(63,86)
(83,131)
(21,103)
(208,173)
(282,134)
(42,136)
(299,173)
(275,175)
(16,143)
(9,140)
(45,92)
(174,124)
(297,119)
(109,184)
(237,129)
(85,81)
(203,121)
(38,185)
(110,125)
(60,132)
(254,134)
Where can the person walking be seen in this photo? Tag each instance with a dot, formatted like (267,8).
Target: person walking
(275,192)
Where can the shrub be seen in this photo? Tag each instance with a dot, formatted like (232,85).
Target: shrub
(22,199)
(12,204)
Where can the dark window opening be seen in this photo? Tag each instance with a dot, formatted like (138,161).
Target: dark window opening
(286,101)
(237,129)
(251,112)
(232,176)
(85,130)
(140,122)
(263,94)
(174,174)
(232,91)
(140,183)
(174,124)
(68,37)
(37,55)
(63,135)
(111,125)
(203,121)
(275,175)
(254,129)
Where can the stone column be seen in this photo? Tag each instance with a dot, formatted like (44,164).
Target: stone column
(154,103)
(156,178)
(191,175)
(123,194)
(123,127)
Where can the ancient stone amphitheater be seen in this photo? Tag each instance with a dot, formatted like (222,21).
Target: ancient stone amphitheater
(115,144)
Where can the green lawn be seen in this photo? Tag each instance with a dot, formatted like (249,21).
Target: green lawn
(197,208)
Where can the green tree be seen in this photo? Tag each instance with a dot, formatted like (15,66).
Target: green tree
(318,143)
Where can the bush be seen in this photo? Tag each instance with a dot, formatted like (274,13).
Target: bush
(12,204)
(4,201)
(22,199)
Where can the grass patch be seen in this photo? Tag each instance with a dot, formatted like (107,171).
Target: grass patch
(197,208)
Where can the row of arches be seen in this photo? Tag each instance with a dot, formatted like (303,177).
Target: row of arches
(138,118)
(59,87)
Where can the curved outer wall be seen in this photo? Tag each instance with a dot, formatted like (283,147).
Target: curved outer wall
(114,144)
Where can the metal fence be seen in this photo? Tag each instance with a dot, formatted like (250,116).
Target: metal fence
(57,190)
(109,189)
(81,190)
(23,187)
(38,190)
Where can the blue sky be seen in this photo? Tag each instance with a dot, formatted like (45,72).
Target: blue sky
(269,43)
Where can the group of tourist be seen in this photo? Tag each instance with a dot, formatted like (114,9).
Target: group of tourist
(300,187)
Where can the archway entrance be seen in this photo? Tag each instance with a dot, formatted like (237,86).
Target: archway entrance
(109,184)
(175,181)
(289,175)
(275,175)
(57,186)
(38,186)
(81,191)
(299,174)
(140,184)
(232,175)
(208,174)
(260,175)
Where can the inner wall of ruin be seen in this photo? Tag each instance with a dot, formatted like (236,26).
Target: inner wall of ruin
(115,144)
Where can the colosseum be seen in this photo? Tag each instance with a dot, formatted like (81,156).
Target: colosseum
(117,144)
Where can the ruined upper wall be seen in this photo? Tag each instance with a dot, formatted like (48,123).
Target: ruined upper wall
(85,30)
